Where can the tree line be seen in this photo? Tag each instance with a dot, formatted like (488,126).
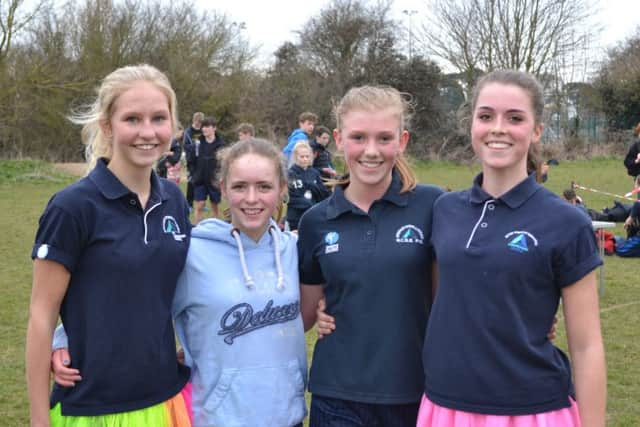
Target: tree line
(53,56)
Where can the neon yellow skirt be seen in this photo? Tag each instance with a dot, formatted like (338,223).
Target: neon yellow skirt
(175,412)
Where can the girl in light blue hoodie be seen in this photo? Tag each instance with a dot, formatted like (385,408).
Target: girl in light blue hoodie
(237,303)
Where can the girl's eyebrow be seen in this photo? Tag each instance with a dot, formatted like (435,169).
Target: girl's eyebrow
(511,110)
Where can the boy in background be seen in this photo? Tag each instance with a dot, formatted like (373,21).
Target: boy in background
(306,122)
(245,131)
(192,136)
(321,154)
(202,160)
(571,197)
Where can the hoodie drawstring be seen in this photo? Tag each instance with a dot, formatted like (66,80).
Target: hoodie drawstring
(276,248)
(245,271)
(248,280)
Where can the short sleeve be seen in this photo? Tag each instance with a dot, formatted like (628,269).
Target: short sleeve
(577,258)
(308,265)
(59,237)
(60,339)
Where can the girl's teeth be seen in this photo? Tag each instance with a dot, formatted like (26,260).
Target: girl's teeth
(369,164)
(498,145)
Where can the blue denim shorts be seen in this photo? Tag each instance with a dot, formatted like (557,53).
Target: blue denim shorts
(201,192)
(329,412)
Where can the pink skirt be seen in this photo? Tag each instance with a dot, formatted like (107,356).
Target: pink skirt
(432,415)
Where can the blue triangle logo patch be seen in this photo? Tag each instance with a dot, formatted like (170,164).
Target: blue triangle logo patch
(519,244)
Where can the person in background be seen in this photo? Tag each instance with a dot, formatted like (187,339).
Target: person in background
(632,159)
(305,185)
(321,153)
(570,196)
(632,223)
(169,164)
(107,245)
(191,141)
(204,163)
(306,123)
(245,131)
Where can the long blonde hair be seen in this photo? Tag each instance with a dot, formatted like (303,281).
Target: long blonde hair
(91,116)
(377,98)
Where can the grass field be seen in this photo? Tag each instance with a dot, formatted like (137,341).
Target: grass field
(26,186)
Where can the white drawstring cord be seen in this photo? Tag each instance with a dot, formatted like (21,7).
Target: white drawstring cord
(276,248)
(243,263)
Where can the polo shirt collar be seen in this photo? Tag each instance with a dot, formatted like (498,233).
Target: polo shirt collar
(513,198)
(338,204)
(111,187)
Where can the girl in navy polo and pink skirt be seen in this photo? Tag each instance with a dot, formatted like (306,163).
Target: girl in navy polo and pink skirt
(504,264)
(107,256)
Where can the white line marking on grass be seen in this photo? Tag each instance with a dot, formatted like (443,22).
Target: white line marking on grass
(617,306)
(605,310)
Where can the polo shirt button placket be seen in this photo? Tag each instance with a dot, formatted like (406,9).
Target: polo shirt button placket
(369,239)
(490,207)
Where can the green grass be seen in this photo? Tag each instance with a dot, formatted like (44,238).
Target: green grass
(26,186)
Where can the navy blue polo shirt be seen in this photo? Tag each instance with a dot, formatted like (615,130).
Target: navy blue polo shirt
(376,271)
(502,264)
(124,263)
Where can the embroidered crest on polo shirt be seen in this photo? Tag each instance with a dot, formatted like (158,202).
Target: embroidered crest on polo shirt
(517,241)
(409,234)
(331,242)
(170,226)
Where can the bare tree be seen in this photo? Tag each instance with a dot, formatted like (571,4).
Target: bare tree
(15,16)
(530,35)
(344,38)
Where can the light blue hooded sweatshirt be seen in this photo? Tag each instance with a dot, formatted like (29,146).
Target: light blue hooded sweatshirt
(237,315)
(296,136)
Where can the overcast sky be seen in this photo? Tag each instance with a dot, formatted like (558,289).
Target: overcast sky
(270,23)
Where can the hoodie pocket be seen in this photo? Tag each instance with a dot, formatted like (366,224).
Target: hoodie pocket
(260,395)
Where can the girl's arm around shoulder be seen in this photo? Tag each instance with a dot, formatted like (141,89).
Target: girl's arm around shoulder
(582,319)
(310,296)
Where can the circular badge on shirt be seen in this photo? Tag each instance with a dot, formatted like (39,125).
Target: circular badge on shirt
(307,195)
(43,251)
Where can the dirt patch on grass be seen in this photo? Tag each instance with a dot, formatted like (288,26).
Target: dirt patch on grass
(77,169)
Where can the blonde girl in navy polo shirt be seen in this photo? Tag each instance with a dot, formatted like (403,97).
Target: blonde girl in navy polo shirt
(366,250)
(107,256)
(504,264)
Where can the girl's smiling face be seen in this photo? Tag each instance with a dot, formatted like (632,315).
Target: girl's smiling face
(371,142)
(503,127)
(140,126)
(253,190)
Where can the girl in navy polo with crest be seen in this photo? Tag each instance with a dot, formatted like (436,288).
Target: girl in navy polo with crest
(366,250)
(107,256)
(504,264)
